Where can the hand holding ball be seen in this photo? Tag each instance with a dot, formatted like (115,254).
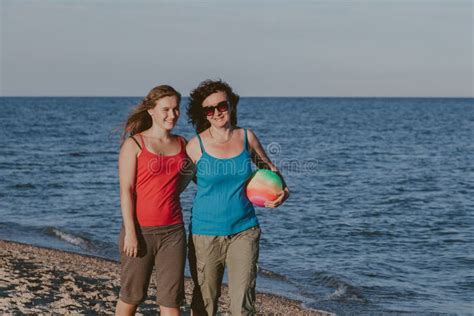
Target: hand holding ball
(264,185)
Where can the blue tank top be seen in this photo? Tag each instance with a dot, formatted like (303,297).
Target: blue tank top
(221,206)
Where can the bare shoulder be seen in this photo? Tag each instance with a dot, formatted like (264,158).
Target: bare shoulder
(192,142)
(193,149)
(252,137)
(204,135)
(129,146)
(240,131)
(250,133)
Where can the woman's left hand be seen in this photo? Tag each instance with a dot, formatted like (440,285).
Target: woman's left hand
(282,196)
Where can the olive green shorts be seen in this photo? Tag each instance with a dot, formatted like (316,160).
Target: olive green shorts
(208,258)
(163,248)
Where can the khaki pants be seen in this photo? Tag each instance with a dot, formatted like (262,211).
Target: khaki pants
(208,257)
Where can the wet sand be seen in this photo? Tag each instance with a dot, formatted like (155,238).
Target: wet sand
(40,280)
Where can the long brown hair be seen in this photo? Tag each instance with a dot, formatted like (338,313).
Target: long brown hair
(140,120)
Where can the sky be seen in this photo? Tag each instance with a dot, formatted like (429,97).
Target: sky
(261,47)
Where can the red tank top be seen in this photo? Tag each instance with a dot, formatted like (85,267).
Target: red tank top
(157,188)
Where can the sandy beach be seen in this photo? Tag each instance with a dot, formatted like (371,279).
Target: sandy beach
(40,280)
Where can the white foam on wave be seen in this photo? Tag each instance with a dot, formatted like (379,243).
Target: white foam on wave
(338,293)
(75,240)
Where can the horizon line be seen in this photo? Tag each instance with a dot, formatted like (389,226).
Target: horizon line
(247,96)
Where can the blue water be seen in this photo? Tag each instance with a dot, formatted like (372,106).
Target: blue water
(381,216)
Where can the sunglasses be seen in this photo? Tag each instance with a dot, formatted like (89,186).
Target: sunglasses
(221,107)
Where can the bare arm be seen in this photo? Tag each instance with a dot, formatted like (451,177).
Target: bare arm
(188,172)
(127,176)
(193,149)
(261,160)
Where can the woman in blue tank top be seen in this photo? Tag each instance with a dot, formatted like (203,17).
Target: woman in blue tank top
(224,230)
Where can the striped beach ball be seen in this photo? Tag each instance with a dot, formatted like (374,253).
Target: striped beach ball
(263,186)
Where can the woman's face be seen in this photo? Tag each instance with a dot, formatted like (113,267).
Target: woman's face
(165,114)
(220,116)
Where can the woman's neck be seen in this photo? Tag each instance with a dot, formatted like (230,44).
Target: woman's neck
(221,134)
(158,132)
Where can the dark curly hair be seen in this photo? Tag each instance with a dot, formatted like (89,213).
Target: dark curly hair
(198,95)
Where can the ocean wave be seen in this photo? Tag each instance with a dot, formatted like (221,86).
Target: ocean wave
(77,154)
(343,290)
(271,274)
(22,186)
(369,233)
(91,153)
(55,185)
(70,238)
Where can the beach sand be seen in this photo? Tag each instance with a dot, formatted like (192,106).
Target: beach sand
(40,280)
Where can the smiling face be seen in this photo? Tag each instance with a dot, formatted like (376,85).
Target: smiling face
(165,114)
(218,118)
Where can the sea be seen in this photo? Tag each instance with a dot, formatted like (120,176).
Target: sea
(381,215)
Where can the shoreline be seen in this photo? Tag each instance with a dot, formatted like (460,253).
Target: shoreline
(37,279)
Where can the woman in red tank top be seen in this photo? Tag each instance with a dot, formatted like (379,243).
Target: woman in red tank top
(151,165)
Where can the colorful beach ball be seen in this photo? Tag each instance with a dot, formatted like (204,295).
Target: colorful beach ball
(263,186)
